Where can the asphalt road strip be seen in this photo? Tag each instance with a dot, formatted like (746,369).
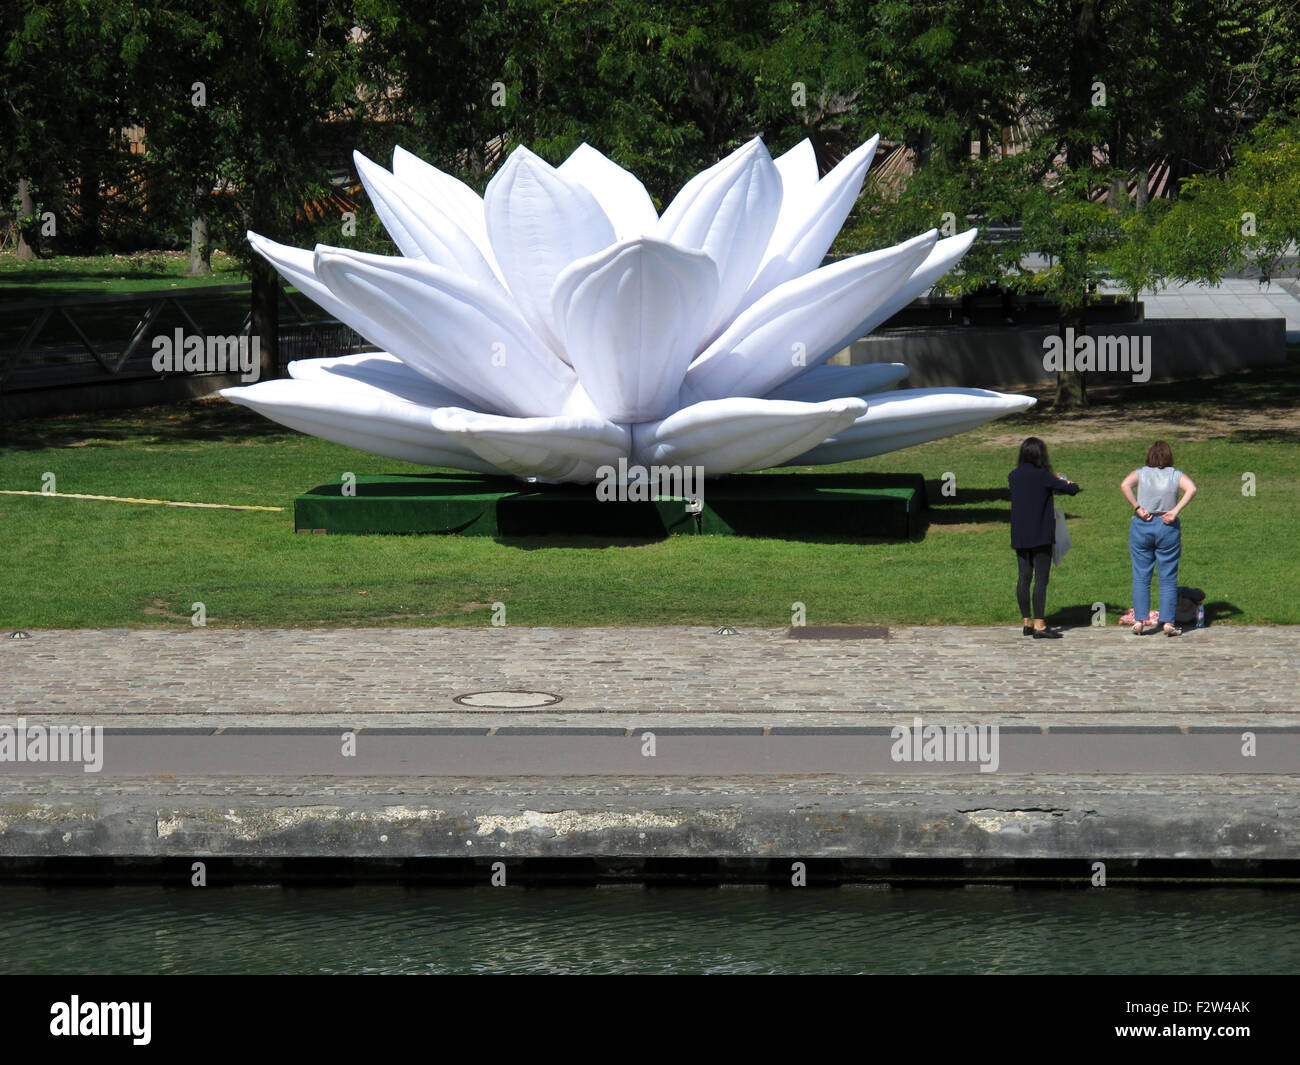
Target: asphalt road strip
(518,752)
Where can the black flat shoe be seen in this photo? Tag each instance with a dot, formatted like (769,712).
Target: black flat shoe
(1027,630)
(1046,634)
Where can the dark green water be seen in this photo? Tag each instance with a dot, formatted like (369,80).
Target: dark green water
(386,929)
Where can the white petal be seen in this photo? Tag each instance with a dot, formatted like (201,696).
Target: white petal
(799,175)
(419,228)
(738,435)
(461,334)
(807,226)
(829,382)
(728,212)
(539,222)
(794,324)
(619,192)
(630,318)
(452,196)
(913,416)
(941,259)
(361,418)
(556,449)
(297,265)
(377,370)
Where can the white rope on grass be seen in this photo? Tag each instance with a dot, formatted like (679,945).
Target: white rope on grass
(128,499)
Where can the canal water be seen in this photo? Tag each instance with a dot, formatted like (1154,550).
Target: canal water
(393,929)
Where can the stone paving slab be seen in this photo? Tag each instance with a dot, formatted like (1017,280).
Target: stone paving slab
(1090,818)
(1235,297)
(629,677)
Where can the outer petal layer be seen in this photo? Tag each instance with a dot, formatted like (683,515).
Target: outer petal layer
(464,336)
(829,382)
(942,258)
(787,329)
(553,449)
(298,266)
(912,416)
(740,435)
(360,417)
(379,371)
(630,318)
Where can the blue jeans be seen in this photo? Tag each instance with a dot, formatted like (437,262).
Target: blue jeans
(1155,547)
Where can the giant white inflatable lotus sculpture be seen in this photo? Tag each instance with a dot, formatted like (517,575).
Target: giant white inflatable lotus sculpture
(559,323)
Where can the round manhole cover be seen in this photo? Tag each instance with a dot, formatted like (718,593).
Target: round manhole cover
(507,700)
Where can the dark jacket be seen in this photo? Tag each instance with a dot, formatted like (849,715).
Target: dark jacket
(1033,522)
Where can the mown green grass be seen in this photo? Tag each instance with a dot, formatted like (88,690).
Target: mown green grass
(71,563)
(72,275)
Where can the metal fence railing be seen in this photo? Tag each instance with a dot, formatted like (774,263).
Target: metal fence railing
(97,338)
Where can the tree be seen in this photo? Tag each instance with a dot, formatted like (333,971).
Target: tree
(1248,219)
(68,98)
(252,99)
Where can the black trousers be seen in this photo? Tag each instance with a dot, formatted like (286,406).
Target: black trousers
(1035,562)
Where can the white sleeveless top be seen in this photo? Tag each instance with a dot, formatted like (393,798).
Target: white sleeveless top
(1157,488)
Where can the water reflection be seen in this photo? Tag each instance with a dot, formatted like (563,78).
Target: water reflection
(388,929)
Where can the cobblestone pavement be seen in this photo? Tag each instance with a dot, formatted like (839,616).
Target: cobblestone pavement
(1227,675)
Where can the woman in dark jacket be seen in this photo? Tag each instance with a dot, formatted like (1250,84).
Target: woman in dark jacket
(1033,531)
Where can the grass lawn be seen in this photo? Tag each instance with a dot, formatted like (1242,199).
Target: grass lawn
(80,275)
(73,563)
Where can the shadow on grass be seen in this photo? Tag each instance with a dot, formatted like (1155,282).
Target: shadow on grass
(539,543)
(54,275)
(200,420)
(1236,393)
(1265,436)
(967,516)
(587,543)
(934,494)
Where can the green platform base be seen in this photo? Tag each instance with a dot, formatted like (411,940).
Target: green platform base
(799,506)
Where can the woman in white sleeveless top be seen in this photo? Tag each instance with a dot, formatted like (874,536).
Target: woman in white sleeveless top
(1155,536)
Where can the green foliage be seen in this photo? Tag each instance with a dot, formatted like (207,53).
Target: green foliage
(1075,232)
(665,87)
(1249,218)
(1136,260)
(951,198)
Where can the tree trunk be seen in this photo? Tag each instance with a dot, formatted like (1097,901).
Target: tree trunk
(26,229)
(1083,67)
(200,246)
(91,203)
(1071,388)
(1142,193)
(266,316)
(1118,192)
(923,148)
